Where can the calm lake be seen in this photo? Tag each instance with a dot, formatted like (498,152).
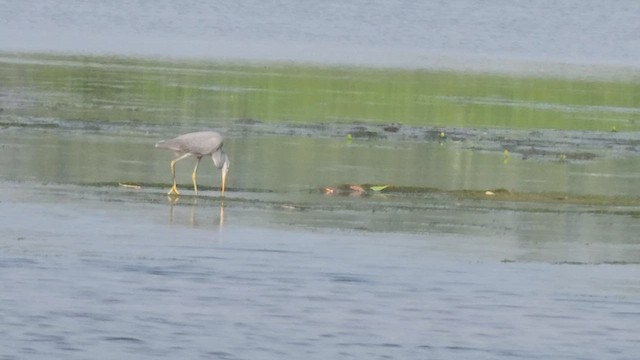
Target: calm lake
(506,137)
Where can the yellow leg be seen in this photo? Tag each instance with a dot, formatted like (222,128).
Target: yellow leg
(193,177)
(174,188)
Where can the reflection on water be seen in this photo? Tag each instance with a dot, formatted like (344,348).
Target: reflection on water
(193,218)
(117,276)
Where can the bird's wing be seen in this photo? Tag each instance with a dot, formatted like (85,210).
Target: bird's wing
(171,144)
(198,143)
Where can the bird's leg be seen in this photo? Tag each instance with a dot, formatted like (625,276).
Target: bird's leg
(174,188)
(193,176)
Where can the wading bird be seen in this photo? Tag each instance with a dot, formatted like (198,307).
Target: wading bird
(197,144)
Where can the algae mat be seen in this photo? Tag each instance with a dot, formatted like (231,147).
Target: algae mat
(190,93)
(565,146)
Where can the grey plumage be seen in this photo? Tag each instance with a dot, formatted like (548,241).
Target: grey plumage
(197,144)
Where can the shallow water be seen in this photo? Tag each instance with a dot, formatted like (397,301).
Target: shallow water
(462,34)
(118,277)
(50,90)
(280,269)
(304,164)
(93,269)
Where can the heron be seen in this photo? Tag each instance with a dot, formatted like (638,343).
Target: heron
(197,144)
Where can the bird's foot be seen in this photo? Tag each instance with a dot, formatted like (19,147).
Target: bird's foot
(173,191)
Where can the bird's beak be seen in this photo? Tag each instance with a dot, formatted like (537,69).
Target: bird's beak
(224,181)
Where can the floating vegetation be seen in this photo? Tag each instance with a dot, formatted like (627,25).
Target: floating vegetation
(506,156)
(130,186)
(503,195)
(125,89)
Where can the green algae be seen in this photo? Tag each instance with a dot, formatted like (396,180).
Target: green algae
(183,93)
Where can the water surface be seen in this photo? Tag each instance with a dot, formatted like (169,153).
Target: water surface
(85,89)
(461,34)
(430,267)
(118,275)
(92,122)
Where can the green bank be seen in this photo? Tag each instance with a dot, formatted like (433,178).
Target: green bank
(196,93)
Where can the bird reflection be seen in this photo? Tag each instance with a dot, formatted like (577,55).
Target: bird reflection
(193,218)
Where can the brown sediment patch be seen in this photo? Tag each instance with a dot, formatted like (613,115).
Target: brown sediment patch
(365,132)
(503,195)
(38,125)
(540,144)
(392,128)
(580,155)
(248,121)
(547,197)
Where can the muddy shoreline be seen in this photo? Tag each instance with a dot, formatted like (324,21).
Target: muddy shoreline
(529,144)
(541,144)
